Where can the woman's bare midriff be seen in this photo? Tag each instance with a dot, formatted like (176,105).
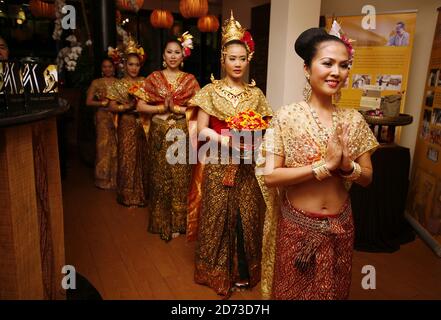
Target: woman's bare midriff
(321,197)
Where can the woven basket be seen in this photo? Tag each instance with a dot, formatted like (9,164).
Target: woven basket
(401,120)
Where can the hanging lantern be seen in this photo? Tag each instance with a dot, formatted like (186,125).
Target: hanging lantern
(193,8)
(161,19)
(40,9)
(126,5)
(208,23)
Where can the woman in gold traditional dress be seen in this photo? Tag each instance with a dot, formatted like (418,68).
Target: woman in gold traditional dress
(162,99)
(106,151)
(131,137)
(229,236)
(314,152)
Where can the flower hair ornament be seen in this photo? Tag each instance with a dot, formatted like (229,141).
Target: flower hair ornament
(186,41)
(337,31)
(232,30)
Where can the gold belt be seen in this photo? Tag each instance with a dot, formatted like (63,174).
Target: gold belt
(325,224)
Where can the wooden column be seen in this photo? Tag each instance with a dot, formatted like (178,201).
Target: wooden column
(31,214)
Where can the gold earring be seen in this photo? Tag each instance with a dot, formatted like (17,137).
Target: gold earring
(307,90)
(164,64)
(182,64)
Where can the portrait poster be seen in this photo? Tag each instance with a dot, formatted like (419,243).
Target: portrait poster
(382,57)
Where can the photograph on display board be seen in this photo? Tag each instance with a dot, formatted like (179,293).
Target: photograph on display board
(433,77)
(436,116)
(432,154)
(399,37)
(420,196)
(435,136)
(434,219)
(425,131)
(430,95)
(389,82)
(360,80)
(382,55)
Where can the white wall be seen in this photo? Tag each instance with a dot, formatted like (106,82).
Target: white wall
(286,77)
(425,29)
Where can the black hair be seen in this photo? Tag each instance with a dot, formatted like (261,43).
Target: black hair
(172,40)
(241,43)
(401,23)
(307,43)
(106,59)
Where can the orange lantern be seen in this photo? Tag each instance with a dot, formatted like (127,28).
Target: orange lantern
(126,5)
(161,19)
(208,23)
(193,8)
(42,9)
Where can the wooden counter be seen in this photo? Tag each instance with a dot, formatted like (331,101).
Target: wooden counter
(31,208)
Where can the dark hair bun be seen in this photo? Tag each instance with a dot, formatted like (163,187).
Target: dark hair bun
(306,41)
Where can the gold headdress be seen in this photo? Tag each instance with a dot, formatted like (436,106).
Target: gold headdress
(232,30)
(134,48)
(120,54)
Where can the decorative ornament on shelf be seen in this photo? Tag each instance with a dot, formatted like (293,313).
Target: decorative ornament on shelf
(186,41)
(161,19)
(208,23)
(42,9)
(193,8)
(129,5)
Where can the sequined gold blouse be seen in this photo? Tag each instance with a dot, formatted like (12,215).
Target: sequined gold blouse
(220,101)
(119,91)
(297,138)
(100,86)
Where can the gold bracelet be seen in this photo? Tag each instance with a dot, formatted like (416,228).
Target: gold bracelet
(158,109)
(104,103)
(355,174)
(320,170)
(176,109)
(120,107)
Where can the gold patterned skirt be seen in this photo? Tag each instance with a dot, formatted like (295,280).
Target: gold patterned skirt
(313,255)
(106,159)
(168,183)
(217,264)
(132,167)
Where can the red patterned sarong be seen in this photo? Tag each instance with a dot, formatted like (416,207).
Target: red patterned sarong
(314,254)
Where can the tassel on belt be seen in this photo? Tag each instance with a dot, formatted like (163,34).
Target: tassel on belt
(317,230)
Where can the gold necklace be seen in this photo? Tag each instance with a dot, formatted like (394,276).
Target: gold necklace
(324,133)
(174,81)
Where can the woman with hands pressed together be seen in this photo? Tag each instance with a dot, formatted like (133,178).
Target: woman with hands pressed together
(106,150)
(131,139)
(314,152)
(163,104)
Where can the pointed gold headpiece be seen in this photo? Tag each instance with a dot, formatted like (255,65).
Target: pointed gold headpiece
(232,30)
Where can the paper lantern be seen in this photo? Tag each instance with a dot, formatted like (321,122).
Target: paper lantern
(161,19)
(193,8)
(208,23)
(40,9)
(126,5)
